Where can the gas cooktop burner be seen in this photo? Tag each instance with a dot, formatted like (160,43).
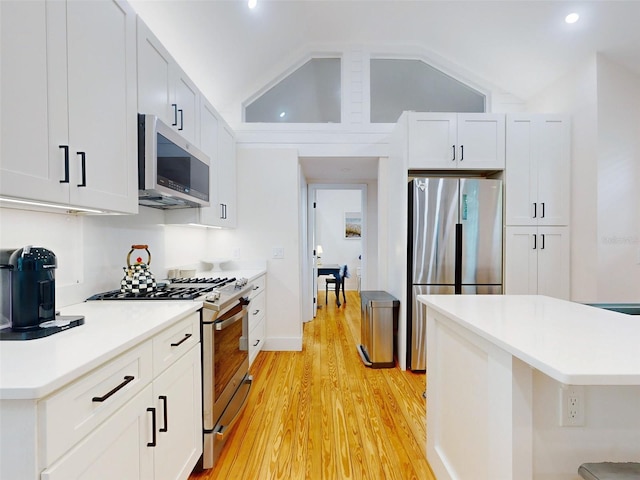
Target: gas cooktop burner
(178,289)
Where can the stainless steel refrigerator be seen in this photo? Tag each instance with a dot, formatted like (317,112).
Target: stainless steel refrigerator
(455,246)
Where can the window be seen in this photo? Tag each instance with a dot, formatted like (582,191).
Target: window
(400,84)
(311,94)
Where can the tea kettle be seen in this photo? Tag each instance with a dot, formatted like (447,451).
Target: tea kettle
(137,277)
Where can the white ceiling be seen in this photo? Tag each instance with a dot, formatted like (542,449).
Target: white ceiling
(513,46)
(518,46)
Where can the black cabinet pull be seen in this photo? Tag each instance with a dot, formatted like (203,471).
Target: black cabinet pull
(534,241)
(256,312)
(453,147)
(175,114)
(187,336)
(152,443)
(181,119)
(165,414)
(535,210)
(542,247)
(256,344)
(127,379)
(461,152)
(83,163)
(66,163)
(542,210)
(256,287)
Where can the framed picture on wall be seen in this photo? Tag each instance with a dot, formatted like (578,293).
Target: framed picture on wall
(352,225)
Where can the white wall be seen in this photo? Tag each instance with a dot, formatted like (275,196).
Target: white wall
(603,100)
(268,217)
(92,250)
(330,210)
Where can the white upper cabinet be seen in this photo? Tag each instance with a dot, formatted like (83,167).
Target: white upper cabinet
(217,141)
(69,104)
(456,141)
(227,176)
(163,87)
(537,175)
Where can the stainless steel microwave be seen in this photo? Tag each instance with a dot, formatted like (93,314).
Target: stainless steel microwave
(172,173)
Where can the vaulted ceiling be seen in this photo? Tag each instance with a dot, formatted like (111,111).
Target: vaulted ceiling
(519,47)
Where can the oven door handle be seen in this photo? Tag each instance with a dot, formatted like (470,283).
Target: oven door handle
(224,323)
(222,431)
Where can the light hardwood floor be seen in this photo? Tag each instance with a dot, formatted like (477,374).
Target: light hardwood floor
(321,414)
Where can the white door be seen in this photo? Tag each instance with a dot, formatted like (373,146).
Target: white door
(553,262)
(521,177)
(432,140)
(187,101)
(481,140)
(31,161)
(521,261)
(102,109)
(209,146)
(155,92)
(227,206)
(178,402)
(116,449)
(553,170)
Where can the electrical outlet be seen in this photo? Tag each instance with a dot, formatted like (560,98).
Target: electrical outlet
(278,252)
(235,253)
(571,406)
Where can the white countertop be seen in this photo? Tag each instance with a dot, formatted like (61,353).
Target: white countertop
(572,343)
(32,369)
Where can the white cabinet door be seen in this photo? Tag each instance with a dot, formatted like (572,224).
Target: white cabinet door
(102,108)
(481,141)
(178,402)
(537,261)
(69,115)
(155,80)
(456,140)
(29,168)
(553,262)
(537,175)
(116,449)
(186,100)
(227,176)
(432,140)
(553,161)
(521,261)
(163,87)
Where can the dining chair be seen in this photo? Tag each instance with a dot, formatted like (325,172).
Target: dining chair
(344,273)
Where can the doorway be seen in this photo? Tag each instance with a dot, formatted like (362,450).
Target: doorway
(337,234)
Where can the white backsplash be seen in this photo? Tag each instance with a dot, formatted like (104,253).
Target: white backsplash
(92,250)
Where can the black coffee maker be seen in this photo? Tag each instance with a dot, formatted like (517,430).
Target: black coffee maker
(32,296)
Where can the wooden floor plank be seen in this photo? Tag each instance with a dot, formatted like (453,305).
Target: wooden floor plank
(321,414)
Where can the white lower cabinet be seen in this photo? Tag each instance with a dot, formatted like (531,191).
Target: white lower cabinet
(122,422)
(117,449)
(537,261)
(257,317)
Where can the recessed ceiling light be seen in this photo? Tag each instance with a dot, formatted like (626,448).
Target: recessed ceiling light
(282,114)
(252,4)
(572,18)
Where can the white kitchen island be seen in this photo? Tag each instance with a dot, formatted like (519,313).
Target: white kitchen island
(499,368)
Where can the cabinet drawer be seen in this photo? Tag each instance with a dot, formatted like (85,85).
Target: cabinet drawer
(259,285)
(257,310)
(175,341)
(256,339)
(76,410)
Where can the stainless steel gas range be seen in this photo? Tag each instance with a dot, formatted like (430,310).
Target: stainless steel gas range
(226,382)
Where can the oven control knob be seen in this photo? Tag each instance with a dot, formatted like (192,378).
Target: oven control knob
(213,297)
(241,282)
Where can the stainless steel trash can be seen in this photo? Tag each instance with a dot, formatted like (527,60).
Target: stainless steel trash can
(379,316)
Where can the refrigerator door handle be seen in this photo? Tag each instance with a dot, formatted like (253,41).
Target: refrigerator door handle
(458,272)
